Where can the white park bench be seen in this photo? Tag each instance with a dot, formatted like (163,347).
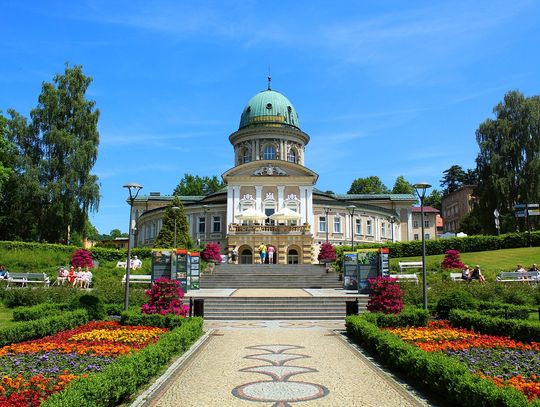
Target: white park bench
(456,277)
(518,276)
(138,279)
(405,277)
(409,265)
(28,278)
(121,264)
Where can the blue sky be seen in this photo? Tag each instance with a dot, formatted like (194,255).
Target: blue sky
(383,88)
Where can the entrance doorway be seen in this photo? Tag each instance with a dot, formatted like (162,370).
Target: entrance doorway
(292,256)
(246,257)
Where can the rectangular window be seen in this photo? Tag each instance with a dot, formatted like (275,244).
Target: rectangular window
(322,224)
(383,229)
(153,230)
(426,223)
(358,226)
(216,224)
(426,236)
(147,232)
(202,224)
(416,236)
(369,224)
(415,224)
(337,224)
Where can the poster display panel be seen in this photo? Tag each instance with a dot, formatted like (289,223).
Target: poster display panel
(162,261)
(195,271)
(368,267)
(350,271)
(182,268)
(384,261)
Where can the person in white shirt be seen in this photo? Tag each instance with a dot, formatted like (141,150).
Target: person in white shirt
(136,263)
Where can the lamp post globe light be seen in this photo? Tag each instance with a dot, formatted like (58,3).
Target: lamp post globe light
(133,189)
(420,189)
(351,209)
(175,208)
(326,212)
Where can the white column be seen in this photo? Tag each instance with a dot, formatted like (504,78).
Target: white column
(303,204)
(230,206)
(409,225)
(236,202)
(258,198)
(280,196)
(309,209)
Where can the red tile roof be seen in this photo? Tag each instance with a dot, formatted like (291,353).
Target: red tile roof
(427,209)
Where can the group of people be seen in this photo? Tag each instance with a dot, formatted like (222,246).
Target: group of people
(266,251)
(79,278)
(469,274)
(521,269)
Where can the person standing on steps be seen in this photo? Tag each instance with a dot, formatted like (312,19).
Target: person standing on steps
(262,252)
(271,254)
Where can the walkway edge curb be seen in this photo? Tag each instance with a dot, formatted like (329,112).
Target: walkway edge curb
(162,380)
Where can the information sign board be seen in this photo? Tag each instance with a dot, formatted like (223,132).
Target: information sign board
(350,271)
(368,267)
(384,262)
(194,271)
(182,268)
(162,261)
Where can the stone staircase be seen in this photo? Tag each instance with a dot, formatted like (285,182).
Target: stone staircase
(280,308)
(270,276)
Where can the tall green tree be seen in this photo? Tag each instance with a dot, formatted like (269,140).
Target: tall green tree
(165,238)
(402,186)
(7,149)
(194,185)
(453,178)
(434,199)
(368,185)
(508,164)
(66,123)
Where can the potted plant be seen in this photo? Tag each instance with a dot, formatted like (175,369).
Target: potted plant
(212,255)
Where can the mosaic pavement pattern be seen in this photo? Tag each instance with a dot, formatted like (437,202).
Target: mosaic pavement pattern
(280,389)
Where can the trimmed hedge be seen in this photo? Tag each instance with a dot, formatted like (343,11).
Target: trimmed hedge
(435,372)
(410,316)
(467,244)
(27,330)
(520,330)
(38,311)
(117,382)
(97,253)
(161,321)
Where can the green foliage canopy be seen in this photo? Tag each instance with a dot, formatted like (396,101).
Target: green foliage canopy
(165,238)
(194,185)
(368,185)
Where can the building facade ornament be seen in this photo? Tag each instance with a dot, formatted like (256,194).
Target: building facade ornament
(270,170)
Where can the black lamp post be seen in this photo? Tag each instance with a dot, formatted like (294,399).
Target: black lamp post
(421,192)
(133,189)
(351,209)
(326,212)
(392,220)
(175,208)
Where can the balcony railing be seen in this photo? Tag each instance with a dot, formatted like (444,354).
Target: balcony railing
(268,229)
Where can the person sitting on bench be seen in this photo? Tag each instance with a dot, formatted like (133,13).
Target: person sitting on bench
(466,273)
(476,274)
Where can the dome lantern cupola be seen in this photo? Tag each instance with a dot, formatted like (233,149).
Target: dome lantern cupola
(269,108)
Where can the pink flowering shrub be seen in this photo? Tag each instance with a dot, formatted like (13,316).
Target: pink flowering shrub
(385,295)
(165,297)
(211,253)
(452,260)
(81,258)
(327,253)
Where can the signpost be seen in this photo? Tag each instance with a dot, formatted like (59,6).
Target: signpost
(497,222)
(524,211)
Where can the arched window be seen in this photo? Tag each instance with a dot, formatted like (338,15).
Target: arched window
(245,155)
(292,156)
(269,207)
(293,205)
(269,152)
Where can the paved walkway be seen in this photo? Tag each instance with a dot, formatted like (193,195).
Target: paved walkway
(279,364)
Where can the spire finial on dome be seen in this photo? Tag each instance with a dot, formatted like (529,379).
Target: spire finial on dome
(269,82)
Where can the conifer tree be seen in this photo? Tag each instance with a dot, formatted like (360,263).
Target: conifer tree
(165,238)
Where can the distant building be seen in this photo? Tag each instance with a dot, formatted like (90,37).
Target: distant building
(430,222)
(455,206)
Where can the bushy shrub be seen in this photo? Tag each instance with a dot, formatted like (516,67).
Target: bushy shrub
(385,295)
(163,321)
(410,316)
(81,258)
(454,299)
(452,260)
(38,311)
(92,305)
(165,297)
(327,252)
(211,253)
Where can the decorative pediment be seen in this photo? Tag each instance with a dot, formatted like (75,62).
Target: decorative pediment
(270,195)
(269,170)
(291,197)
(247,197)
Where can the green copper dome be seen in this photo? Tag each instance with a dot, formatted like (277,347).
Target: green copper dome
(269,108)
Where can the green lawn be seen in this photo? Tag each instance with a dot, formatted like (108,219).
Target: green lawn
(491,262)
(5,316)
